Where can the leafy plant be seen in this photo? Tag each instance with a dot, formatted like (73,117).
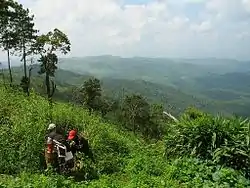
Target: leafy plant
(226,141)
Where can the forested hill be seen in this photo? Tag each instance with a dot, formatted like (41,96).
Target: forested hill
(219,84)
(226,94)
(173,99)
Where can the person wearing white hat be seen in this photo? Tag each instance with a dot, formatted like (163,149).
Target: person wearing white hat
(50,153)
(52,126)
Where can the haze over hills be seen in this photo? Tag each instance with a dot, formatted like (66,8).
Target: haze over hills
(184,74)
(173,99)
(157,70)
(215,85)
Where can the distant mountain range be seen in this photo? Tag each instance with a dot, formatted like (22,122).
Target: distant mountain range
(217,85)
(156,70)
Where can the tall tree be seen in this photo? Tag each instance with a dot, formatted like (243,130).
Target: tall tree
(26,37)
(90,93)
(136,112)
(16,32)
(47,46)
(102,105)
(157,123)
(8,40)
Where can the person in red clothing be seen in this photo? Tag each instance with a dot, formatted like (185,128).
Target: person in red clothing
(79,144)
(72,134)
(74,141)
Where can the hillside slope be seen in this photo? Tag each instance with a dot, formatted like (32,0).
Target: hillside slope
(212,100)
(173,72)
(173,99)
(218,84)
(123,159)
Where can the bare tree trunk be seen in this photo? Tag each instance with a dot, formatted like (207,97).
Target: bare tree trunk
(24,61)
(28,84)
(170,116)
(25,79)
(134,127)
(50,92)
(47,84)
(29,78)
(9,66)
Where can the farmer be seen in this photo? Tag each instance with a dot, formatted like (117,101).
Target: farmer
(55,133)
(79,144)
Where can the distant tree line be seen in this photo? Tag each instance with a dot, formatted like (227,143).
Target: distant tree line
(133,112)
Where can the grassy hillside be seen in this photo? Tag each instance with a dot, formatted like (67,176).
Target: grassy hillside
(123,159)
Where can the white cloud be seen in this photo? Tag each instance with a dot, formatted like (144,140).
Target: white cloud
(205,26)
(246,4)
(156,28)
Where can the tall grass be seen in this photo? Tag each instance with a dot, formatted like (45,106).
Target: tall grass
(122,159)
(225,141)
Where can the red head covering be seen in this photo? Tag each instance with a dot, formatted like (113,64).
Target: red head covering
(72,134)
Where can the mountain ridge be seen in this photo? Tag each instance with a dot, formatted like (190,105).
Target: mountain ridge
(174,97)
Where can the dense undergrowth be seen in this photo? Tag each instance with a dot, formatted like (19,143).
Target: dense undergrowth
(224,141)
(122,159)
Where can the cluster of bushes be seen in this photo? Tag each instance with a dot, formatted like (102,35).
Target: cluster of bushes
(133,112)
(223,141)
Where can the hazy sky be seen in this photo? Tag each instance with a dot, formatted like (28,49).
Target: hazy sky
(171,28)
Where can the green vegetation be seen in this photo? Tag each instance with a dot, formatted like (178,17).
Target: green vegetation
(133,143)
(175,84)
(122,158)
(89,94)
(174,100)
(218,85)
(47,46)
(225,141)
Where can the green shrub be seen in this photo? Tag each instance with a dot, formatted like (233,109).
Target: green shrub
(225,141)
(198,173)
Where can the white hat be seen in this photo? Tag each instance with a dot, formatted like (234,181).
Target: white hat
(51,126)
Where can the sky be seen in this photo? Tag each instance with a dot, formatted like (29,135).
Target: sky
(154,28)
